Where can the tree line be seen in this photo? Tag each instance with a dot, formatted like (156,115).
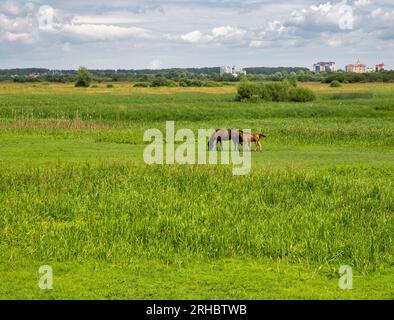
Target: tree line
(191,76)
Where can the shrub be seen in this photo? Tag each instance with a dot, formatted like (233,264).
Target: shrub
(293,79)
(163,82)
(275,92)
(190,83)
(198,83)
(301,95)
(184,83)
(279,91)
(141,85)
(247,90)
(94,86)
(110,85)
(335,84)
(84,78)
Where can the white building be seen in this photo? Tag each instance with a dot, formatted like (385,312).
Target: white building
(324,66)
(234,71)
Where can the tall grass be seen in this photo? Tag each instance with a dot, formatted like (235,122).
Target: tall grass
(181,107)
(117,213)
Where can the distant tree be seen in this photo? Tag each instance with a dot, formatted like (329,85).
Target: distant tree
(278,76)
(163,82)
(293,79)
(84,78)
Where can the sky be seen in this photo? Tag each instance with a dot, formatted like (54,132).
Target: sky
(136,34)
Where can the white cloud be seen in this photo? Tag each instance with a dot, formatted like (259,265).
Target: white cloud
(48,21)
(15,8)
(16,28)
(349,39)
(193,37)
(20,37)
(227,32)
(155,64)
(114,19)
(325,16)
(259,44)
(102,32)
(16,24)
(217,35)
(333,40)
(380,23)
(382,15)
(362,3)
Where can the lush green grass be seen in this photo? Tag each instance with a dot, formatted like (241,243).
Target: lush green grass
(218,279)
(115,212)
(76,194)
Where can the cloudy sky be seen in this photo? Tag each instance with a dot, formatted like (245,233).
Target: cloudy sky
(189,33)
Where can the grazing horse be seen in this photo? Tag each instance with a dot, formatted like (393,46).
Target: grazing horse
(247,139)
(221,135)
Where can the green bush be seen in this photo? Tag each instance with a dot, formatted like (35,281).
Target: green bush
(190,83)
(163,82)
(335,84)
(184,82)
(84,78)
(141,85)
(110,86)
(293,79)
(301,95)
(278,91)
(246,90)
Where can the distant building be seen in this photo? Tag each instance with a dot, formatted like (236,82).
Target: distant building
(349,68)
(380,67)
(324,67)
(357,68)
(234,71)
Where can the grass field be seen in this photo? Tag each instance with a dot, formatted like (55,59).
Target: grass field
(75,194)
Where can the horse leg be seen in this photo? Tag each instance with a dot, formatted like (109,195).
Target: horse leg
(211,143)
(236,145)
(219,140)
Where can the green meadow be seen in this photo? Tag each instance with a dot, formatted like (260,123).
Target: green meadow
(76,194)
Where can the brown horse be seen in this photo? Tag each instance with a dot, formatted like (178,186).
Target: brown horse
(247,139)
(221,135)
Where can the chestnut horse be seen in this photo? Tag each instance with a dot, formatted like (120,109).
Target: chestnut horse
(247,139)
